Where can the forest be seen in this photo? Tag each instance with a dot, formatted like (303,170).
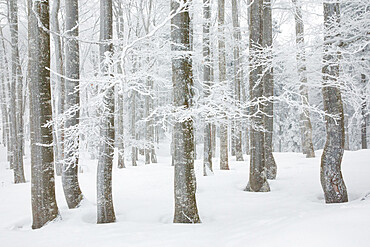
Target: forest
(184,123)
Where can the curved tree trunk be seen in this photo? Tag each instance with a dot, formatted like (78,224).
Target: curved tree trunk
(71,187)
(185,203)
(332,182)
(44,206)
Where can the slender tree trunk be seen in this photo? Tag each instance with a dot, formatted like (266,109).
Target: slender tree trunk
(332,182)
(268,92)
(364,115)
(134,151)
(44,206)
(207,159)
(105,164)
(71,187)
(185,203)
(238,72)
(257,177)
(16,96)
(120,129)
(305,120)
(224,156)
(60,83)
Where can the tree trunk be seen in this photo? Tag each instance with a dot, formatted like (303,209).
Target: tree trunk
(364,115)
(106,151)
(185,203)
(71,187)
(332,182)
(60,83)
(224,156)
(16,96)
(268,92)
(257,177)
(44,206)
(305,120)
(238,72)
(207,157)
(134,151)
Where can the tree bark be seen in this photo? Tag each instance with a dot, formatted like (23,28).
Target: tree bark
(238,74)
(268,92)
(185,202)
(71,187)
(16,96)
(305,120)
(364,115)
(207,157)
(60,83)
(44,206)
(105,163)
(332,182)
(224,155)
(257,176)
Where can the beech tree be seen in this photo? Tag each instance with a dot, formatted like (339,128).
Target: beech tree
(105,164)
(332,182)
(257,176)
(182,78)
(71,187)
(44,206)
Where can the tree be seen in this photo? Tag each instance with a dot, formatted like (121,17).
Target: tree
(207,161)
(268,92)
(238,75)
(54,21)
(332,182)
(44,206)
(305,120)
(105,164)
(71,187)
(185,203)
(224,156)
(257,176)
(16,97)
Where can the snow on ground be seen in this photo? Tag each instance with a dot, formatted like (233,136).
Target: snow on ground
(292,214)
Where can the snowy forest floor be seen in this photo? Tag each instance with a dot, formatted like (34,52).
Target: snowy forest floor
(293,214)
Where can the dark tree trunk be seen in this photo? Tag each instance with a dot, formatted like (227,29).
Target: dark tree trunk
(185,203)
(332,182)
(105,164)
(257,177)
(268,91)
(71,187)
(44,206)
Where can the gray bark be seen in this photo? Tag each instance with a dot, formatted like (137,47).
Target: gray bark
(44,206)
(305,120)
(16,97)
(257,176)
(106,149)
(332,182)
(224,156)
(268,91)
(238,73)
(185,202)
(207,157)
(60,83)
(364,115)
(71,187)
